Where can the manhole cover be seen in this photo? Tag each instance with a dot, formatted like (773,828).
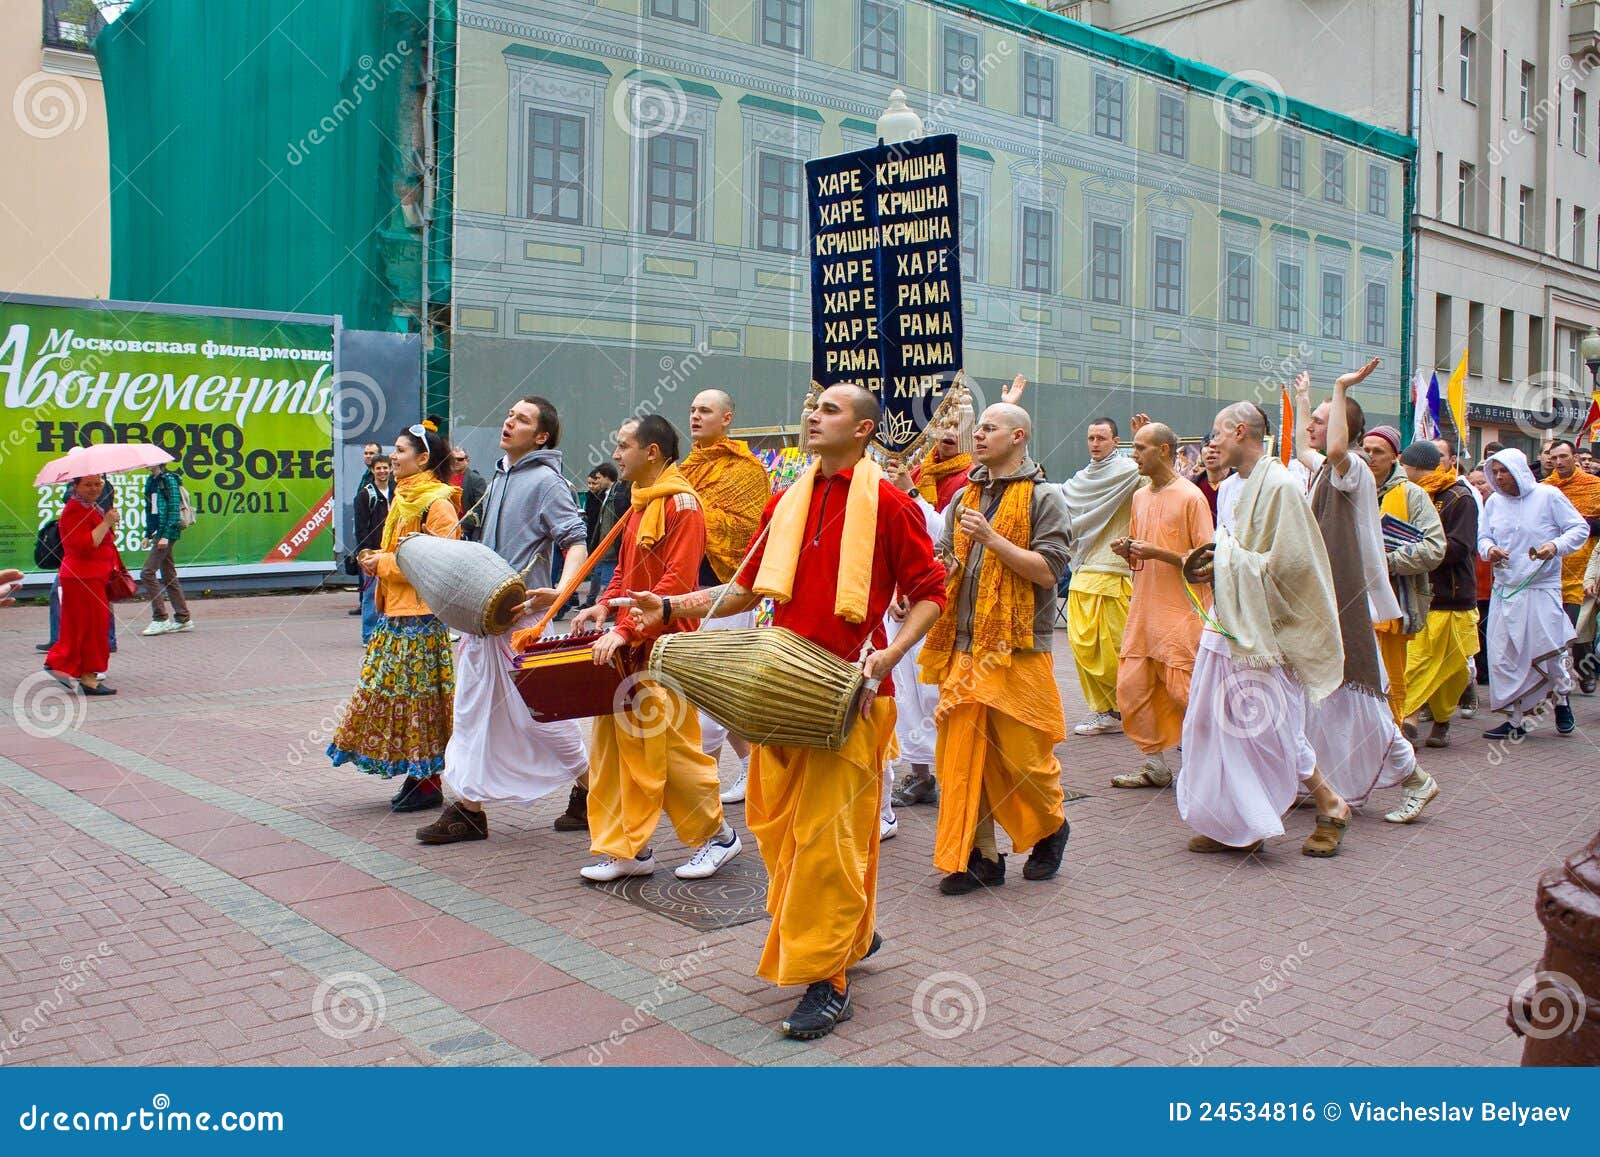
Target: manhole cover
(735,895)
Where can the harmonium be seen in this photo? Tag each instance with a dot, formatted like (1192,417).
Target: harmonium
(558,679)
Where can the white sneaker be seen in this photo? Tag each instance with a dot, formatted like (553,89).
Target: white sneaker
(735,793)
(707,858)
(1414,802)
(1100,723)
(615,868)
(158,627)
(178,628)
(887,829)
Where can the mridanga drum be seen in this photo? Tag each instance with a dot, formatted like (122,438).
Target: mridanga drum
(466,585)
(765,684)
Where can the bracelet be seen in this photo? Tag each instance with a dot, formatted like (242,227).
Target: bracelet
(666,611)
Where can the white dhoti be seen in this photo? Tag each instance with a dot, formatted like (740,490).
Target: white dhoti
(1528,635)
(914,702)
(1359,748)
(1244,747)
(498,753)
(713,734)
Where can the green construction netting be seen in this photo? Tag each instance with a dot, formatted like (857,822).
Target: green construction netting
(262,155)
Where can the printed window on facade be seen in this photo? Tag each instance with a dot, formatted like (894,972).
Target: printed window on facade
(1469,72)
(1167,285)
(778,188)
(1290,158)
(1377,313)
(1525,217)
(1288,297)
(1579,229)
(1105,272)
(672,179)
(783,24)
(971,216)
(1333,176)
(555,167)
(1580,122)
(1241,266)
(1378,190)
(961,63)
(1038,244)
(683,11)
(880,38)
(1108,107)
(1525,95)
(1242,156)
(1170,126)
(1038,87)
(1333,306)
(1466,195)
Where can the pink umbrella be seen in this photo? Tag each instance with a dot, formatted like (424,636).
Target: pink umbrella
(104,458)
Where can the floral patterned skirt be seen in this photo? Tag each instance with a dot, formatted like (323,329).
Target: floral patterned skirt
(398,721)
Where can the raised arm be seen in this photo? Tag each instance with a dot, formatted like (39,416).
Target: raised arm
(1338,420)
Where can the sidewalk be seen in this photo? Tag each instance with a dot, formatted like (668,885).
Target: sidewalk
(187,881)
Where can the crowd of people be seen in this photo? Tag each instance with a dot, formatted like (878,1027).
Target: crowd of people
(1269,632)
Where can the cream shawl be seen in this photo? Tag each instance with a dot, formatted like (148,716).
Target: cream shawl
(1095,496)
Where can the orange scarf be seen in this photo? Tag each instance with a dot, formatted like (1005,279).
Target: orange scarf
(931,470)
(1583,491)
(653,501)
(733,489)
(1438,480)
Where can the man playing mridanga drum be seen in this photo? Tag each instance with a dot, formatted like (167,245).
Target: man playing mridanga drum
(498,753)
(999,711)
(733,490)
(840,541)
(646,758)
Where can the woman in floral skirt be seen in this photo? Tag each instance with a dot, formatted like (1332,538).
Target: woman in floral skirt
(398,721)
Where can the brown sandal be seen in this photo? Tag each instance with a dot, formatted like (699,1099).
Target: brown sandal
(1325,838)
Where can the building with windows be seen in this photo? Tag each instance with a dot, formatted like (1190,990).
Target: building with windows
(1501,100)
(54,212)
(630,212)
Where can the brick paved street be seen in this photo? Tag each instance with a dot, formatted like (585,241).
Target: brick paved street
(186,880)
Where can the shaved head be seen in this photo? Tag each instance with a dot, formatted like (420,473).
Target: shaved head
(1161,434)
(862,401)
(1246,414)
(710,416)
(715,399)
(1012,416)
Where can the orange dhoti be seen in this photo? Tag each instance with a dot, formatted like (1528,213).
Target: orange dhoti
(646,760)
(1152,697)
(814,814)
(998,727)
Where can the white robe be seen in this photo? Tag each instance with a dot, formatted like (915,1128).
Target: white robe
(498,753)
(1528,629)
(915,702)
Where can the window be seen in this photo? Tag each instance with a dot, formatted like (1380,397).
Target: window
(1438,63)
(1333,176)
(1525,95)
(1438,185)
(1475,338)
(1377,190)
(1508,344)
(1105,275)
(1579,229)
(1288,297)
(1505,84)
(961,63)
(1333,305)
(783,24)
(1443,330)
(1535,346)
(1377,313)
(1289,163)
(1469,72)
(683,11)
(1038,87)
(1038,245)
(778,186)
(1167,295)
(971,219)
(1242,156)
(1466,197)
(1580,122)
(1170,126)
(555,167)
(1241,265)
(1108,105)
(672,179)
(880,38)
(1502,232)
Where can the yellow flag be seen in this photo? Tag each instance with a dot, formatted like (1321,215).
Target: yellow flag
(1456,395)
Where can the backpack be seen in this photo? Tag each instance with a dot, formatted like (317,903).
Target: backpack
(47,546)
(186,515)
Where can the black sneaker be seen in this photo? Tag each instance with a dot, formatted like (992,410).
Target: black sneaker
(1586,683)
(1505,731)
(1045,860)
(1565,723)
(980,873)
(418,795)
(820,1011)
(877,943)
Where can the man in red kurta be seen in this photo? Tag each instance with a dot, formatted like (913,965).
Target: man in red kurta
(840,541)
(646,758)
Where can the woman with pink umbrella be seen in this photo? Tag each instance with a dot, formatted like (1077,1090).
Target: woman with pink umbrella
(88,556)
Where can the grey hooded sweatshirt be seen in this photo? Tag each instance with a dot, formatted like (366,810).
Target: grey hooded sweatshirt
(529,510)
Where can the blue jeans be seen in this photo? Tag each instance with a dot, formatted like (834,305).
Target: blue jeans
(600,579)
(55,616)
(369,606)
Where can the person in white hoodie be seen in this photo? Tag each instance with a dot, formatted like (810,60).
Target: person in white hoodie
(1526,530)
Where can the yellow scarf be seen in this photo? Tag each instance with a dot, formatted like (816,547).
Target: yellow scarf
(652,500)
(412,497)
(787,529)
(1437,480)
(929,473)
(733,488)
(1002,614)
